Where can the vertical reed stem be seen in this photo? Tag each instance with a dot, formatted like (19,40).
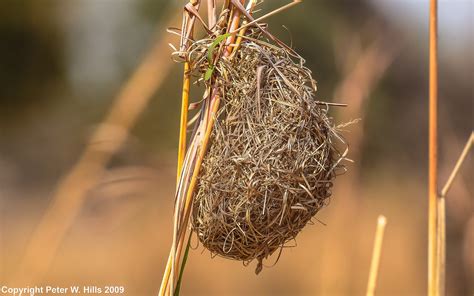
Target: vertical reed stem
(183,120)
(441,254)
(433,151)
(179,234)
(374,266)
(181,153)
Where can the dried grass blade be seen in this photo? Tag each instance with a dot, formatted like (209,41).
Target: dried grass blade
(268,34)
(458,165)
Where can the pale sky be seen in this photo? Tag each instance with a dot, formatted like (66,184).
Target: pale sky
(455,23)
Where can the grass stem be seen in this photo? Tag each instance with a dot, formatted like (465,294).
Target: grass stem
(374,266)
(181,153)
(441,227)
(183,120)
(441,252)
(433,150)
(458,165)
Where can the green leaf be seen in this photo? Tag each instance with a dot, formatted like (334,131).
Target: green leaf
(208,73)
(210,55)
(183,264)
(210,51)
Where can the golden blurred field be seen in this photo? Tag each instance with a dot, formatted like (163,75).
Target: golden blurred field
(123,233)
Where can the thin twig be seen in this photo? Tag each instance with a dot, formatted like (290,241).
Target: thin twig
(240,7)
(273,12)
(458,165)
(374,266)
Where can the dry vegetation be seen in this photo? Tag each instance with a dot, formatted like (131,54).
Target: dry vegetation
(272,157)
(260,164)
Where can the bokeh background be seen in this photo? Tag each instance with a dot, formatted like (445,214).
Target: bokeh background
(65,64)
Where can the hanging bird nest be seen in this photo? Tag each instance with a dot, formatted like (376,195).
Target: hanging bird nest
(273,154)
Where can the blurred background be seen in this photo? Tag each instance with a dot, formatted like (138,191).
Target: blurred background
(87,203)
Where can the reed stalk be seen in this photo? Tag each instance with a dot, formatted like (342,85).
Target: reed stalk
(181,150)
(441,252)
(199,145)
(433,152)
(374,266)
(214,105)
(183,120)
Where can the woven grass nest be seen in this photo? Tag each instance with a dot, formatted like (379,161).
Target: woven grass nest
(273,156)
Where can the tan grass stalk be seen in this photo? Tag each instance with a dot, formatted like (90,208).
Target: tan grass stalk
(187,29)
(458,165)
(211,13)
(433,152)
(250,7)
(182,211)
(374,266)
(441,227)
(188,23)
(181,226)
(441,252)
(214,105)
(235,20)
(183,119)
(181,147)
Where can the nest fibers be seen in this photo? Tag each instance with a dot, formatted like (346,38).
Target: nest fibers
(272,157)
